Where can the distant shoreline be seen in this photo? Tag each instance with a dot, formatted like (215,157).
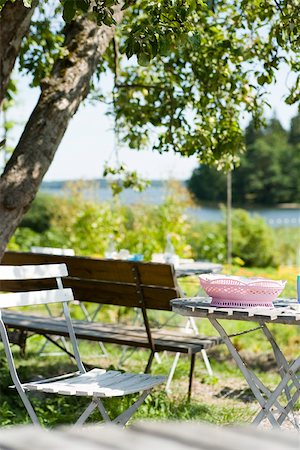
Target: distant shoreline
(104,184)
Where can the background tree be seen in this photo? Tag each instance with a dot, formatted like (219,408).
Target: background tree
(261,177)
(193,93)
(208,184)
(268,173)
(294,134)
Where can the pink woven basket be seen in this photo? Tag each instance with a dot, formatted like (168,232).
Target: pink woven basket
(241,292)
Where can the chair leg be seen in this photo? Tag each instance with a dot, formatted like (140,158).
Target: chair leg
(193,356)
(123,418)
(96,403)
(102,410)
(28,406)
(86,413)
(14,375)
(149,363)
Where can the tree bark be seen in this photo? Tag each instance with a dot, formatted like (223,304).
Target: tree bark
(15,20)
(61,95)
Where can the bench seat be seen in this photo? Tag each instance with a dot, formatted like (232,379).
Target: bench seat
(132,336)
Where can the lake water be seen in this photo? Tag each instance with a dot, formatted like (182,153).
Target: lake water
(275,217)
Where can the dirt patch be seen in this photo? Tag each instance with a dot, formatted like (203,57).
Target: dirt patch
(222,392)
(231,392)
(264,362)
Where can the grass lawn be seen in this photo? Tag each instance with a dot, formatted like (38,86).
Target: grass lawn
(221,399)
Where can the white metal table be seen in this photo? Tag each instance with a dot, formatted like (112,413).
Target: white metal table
(286,311)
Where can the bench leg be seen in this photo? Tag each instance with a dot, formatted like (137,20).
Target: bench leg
(149,363)
(193,356)
(19,338)
(171,373)
(206,362)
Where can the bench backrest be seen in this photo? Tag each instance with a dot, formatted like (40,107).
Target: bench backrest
(104,281)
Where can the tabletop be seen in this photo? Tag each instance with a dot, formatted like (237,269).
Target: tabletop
(188,268)
(147,436)
(285,311)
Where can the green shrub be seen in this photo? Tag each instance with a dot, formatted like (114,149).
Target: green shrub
(208,241)
(253,241)
(38,217)
(23,239)
(86,225)
(288,245)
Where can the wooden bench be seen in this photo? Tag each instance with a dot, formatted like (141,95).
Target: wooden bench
(148,286)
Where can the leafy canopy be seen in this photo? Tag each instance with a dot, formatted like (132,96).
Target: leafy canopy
(185,71)
(188,89)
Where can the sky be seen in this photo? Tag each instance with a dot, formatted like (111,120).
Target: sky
(89,140)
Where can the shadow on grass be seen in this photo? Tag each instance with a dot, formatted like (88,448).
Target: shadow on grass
(244,395)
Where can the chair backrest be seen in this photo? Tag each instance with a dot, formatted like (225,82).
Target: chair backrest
(53,250)
(18,275)
(114,282)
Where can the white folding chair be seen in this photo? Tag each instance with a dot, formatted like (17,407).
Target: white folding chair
(94,384)
(66,252)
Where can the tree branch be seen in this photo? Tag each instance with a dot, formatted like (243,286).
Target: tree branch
(15,20)
(139,86)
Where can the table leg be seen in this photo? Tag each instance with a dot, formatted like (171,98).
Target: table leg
(266,399)
(284,368)
(275,394)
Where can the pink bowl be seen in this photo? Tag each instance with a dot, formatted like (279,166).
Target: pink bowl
(241,292)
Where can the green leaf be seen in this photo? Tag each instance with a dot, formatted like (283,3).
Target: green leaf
(82,5)
(129,49)
(144,59)
(69,10)
(262,79)
(154,45)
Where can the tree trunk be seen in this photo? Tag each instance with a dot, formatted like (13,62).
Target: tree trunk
(59,100)
(14,24)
